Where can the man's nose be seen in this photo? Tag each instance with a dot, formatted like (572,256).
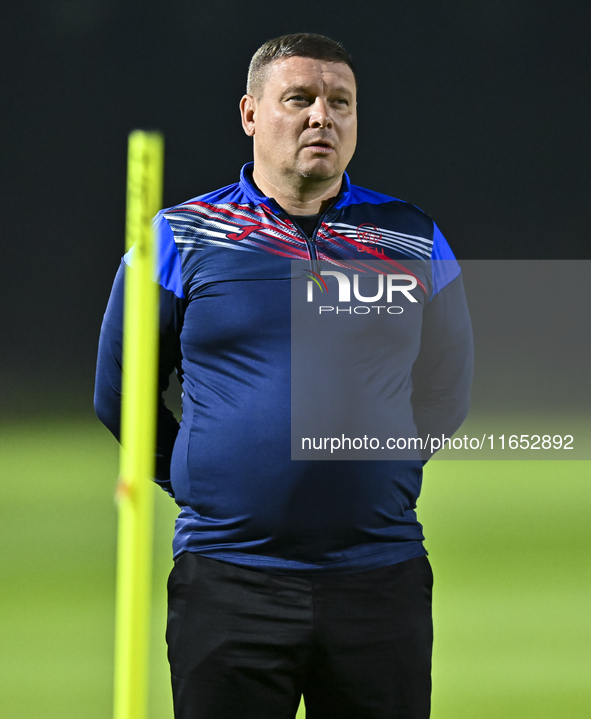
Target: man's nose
(320,114)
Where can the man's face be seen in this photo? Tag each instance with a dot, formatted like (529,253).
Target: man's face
(304,118)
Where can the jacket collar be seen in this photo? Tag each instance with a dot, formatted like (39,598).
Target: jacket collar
(255,195)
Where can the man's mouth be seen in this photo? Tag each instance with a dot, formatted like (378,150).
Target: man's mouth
(321,146)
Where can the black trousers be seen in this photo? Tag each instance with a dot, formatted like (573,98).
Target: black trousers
(244,644)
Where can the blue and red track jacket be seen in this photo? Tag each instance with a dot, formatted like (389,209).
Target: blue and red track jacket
(225,268)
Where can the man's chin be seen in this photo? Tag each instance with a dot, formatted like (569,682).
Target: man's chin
(318,172)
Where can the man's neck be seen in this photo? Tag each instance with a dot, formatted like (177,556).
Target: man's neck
(301,198)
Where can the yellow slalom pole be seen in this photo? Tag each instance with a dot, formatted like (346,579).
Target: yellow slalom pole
(135,491)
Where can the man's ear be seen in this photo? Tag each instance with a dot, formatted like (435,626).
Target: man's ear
(247,112)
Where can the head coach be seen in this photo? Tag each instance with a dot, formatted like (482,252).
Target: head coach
(291,577)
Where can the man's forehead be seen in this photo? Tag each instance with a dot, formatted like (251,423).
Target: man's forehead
(302,71)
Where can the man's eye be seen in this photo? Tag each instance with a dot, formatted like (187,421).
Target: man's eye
(342,101)
(298,98)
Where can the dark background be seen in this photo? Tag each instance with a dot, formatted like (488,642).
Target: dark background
(476,112)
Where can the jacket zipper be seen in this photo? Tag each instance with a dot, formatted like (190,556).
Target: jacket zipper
(310,242)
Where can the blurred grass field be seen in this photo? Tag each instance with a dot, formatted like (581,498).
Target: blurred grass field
(509,543)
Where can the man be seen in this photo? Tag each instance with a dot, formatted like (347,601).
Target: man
(293,576)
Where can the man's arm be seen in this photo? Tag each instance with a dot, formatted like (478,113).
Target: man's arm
(442,373)
(107,396)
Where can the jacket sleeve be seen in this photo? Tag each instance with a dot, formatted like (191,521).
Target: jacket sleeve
(107,396)
(442,372)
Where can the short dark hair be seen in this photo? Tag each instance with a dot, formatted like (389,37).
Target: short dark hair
(302,44)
